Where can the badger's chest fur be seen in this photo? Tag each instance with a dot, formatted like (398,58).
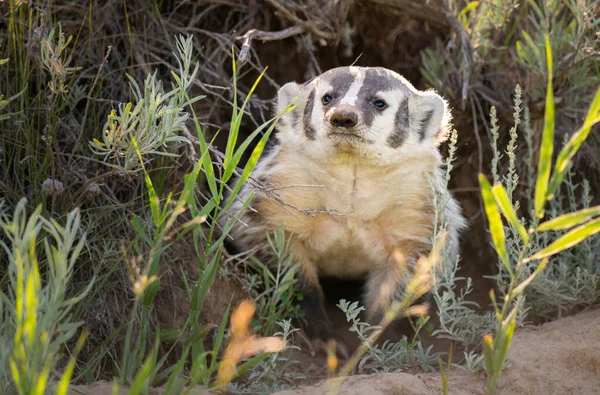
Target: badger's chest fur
(367,211)
(353,171)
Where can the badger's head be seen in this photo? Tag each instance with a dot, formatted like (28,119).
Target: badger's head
(371,112)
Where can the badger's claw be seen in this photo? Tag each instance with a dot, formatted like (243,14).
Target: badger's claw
(320,346)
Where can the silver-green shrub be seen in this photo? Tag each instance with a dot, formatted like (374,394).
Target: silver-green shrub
(36,304)
(153,118)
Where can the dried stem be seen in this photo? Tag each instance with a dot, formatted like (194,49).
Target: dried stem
(466,47)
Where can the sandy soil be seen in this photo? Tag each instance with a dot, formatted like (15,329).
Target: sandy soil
(560,357)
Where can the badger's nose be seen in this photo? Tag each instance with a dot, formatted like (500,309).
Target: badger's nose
(343,117)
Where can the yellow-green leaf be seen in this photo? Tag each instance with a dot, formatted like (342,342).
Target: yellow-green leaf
(41,380)
(502,343)
(570,239)
(570,149)
(143,375)
(488,354)
(519,288)
(569,220)
(206,161)
(31,306)
(545,160)
(63,384)
(471,6)
(16,375)
(463,13)
(495,304)
(522,53)
(509,211)
(493,215)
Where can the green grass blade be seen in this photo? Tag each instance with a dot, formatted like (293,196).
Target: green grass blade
(151,292)
(547,146)
(570,239)
(502,344)
(218,244)
(204,284)
(152,196)
(237,156)
(493,215)
(190,179)
(570,149)
(567,221)
(63,384)
(174,376)
(199,370)
(521,287)
(246,366)
(234,125)
(509,211)
(254,157)
(136,222)
(251,92)
(495,304)
(205,158)
(196,336)
(229,163)
(221,333)
(142,377)
(211,179)
(165,334)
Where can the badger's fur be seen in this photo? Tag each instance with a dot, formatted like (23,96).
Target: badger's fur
(355,154)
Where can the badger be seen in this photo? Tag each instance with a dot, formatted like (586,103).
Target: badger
(353,168)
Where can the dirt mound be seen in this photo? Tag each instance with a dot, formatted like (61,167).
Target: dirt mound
(560,357)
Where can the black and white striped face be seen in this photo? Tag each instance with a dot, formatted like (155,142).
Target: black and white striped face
(371,111)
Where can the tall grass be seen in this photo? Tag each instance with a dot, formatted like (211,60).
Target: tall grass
(581,225)
(138,349)
(36,310)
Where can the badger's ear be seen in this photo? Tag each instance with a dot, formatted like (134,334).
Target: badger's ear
(287,93)
(427,115)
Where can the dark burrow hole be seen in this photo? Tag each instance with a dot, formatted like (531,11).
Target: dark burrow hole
(353,291)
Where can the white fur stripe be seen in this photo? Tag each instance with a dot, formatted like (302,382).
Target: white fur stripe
(352,94)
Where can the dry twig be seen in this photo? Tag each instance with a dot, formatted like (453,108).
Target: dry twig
(466,47)
(252,34)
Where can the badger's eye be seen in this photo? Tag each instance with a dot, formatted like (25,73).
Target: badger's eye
(326,99)
(380,104)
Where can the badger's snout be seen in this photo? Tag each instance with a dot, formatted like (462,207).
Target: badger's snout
(343,116)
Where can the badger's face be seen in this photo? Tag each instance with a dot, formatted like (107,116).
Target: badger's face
(371,112)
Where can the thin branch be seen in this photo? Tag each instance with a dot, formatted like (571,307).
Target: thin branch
(307,25)
(261,35)
(87,105)
(466,48)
